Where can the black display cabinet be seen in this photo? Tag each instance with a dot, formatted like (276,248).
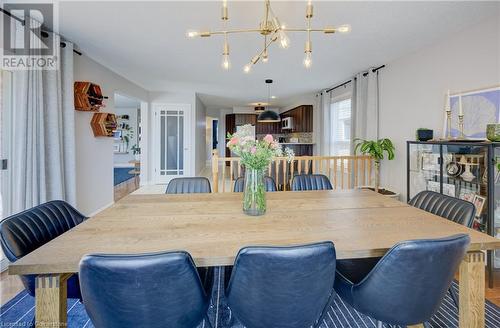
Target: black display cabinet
(466,170)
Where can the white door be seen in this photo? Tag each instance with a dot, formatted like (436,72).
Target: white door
(171,141)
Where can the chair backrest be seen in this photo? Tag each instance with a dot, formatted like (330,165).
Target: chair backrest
(409,283)
(451,208)
(145,290)
(282,286)
(24,232)
(189,186)
(302,182)
(239,184)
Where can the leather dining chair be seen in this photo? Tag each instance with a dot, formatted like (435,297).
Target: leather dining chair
(144,290)
(302,182)
(26,231)
(239,184)
(408,284)
(282,287)
(188,186)
(451,208)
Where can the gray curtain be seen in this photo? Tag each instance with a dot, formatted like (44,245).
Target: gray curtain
(323,133)
(365,108)
(43,154)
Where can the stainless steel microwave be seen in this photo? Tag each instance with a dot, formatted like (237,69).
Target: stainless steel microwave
(286,123)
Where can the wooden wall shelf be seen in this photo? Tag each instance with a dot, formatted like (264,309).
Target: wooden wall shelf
(103,124)
(88,97)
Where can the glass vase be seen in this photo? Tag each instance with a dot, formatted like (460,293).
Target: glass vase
(254,194)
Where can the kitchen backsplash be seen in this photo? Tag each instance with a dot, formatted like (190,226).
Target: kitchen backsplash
(305,137)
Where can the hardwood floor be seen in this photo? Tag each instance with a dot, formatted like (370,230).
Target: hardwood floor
(10,286)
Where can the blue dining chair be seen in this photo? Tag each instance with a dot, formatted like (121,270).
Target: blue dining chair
(302,182)
(26,231)
(450,208)
(407,285)
(239,184)
(159,290)
(282,287)
(189,186)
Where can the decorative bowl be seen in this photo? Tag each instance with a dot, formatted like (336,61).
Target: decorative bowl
(425,134)
(493,131)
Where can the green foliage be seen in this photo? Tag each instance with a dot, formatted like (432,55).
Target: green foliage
(375,148)
(135,149)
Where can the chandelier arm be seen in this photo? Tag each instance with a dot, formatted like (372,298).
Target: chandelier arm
(234,31)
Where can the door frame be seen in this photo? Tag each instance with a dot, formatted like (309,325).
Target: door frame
(188,162)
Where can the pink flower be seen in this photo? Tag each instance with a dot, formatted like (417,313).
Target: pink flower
(268,138)
(233,141)
(253,150)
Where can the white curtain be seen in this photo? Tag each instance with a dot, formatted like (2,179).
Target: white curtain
(43,152)
(365,109)
(323,103)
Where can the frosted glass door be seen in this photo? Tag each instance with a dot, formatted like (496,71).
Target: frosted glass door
(171,149)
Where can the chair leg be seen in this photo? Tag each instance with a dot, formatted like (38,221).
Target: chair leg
(454,296)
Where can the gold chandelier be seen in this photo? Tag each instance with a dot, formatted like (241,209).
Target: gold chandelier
(272,30)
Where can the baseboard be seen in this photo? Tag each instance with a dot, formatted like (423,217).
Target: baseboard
(100,210)
(4,264)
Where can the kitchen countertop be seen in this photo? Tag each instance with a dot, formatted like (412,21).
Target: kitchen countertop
(296,143)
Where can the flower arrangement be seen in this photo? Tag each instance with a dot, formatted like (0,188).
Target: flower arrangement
(256,154)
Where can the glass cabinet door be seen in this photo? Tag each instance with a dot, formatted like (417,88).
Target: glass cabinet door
(465,176)
(424,168)
(496,201)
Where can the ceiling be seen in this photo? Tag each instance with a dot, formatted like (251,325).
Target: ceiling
(146,42)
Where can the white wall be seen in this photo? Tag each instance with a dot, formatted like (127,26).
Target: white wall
(412,88)
(94,156)
(122,160)
(200,135)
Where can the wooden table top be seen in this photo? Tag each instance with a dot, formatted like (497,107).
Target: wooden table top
(212,227)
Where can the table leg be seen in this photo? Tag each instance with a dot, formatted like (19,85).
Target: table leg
(471,291)
(50,303)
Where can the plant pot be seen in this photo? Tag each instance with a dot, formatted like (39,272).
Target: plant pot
(254,194)
(493,132)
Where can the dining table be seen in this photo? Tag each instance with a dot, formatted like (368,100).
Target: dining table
(213,228)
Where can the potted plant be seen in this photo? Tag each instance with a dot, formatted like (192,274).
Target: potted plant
(136,151)
(256,155)
(377,150)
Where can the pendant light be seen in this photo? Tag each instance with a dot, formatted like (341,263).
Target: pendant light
(268,116)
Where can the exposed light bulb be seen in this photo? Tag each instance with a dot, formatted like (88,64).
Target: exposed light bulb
(226,63)
(344,28)
(192,34)
(308,60)
(273,97)
(265,57)
(284,40)
(247,68)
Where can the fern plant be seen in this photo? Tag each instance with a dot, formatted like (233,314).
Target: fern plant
(377,150)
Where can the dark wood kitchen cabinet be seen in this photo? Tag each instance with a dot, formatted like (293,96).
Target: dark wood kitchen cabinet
(268,128)
(302,118)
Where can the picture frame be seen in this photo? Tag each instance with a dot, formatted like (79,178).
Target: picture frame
(449,189)
(479,202)
(480,107)
(433,186)
(430,162)
(467,194)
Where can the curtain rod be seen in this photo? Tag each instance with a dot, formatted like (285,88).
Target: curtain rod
(346,82)
(44,33)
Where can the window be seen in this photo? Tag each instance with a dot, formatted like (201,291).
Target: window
(340,133)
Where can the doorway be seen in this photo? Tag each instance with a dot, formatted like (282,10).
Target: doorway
(171,141)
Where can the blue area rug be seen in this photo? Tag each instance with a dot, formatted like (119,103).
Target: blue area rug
(121,174)
(19,311)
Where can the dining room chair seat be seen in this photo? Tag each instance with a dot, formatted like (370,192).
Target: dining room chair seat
(28,230)
(239,184)
(189,185)
(303,182)
(155,290)
(412,277)
(282,287)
